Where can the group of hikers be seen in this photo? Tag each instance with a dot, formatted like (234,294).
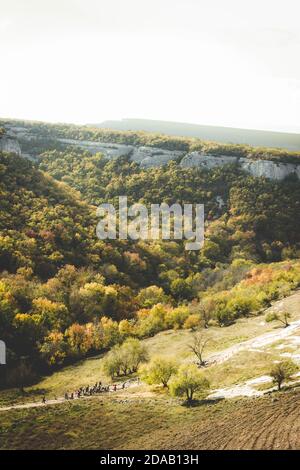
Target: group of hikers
(91,390)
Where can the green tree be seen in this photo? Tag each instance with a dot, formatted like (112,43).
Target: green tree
(113,362)
(134,352)
(53,315)
(151,321)
(181,290)
(125,359)
(192,322)
(176,317)
(282,372)
(188,381)
(150,296)
(77,340)
(54,348)
(158,371)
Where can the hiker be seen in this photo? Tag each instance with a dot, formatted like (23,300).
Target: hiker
(91,390)
(44,399)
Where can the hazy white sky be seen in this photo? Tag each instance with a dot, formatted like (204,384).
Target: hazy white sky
(222,62)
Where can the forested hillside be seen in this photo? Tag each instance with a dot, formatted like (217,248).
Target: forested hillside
(64,294)
(257,219)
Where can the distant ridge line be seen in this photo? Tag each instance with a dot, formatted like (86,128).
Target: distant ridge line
(257,138)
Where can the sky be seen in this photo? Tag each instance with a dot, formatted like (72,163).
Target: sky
(214,62)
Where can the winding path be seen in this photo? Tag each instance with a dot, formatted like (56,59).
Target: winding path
(244,389)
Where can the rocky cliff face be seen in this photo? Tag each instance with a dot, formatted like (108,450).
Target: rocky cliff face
(269,169)
(145,156)
(110,150)
(151,156)
(266,168)
(9,144)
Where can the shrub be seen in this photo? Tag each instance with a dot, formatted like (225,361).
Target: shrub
(176,317)
(283,371)
(282,317)
(150,296)
(181,290)
(124,359)
(151,321)
(192,322)
(187,381)
(158,371)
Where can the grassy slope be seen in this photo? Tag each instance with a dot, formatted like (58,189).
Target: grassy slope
(260,423)
(242,366)
(167,343)
(145,418)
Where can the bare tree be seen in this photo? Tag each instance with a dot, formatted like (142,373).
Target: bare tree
(281,316)
(198,346)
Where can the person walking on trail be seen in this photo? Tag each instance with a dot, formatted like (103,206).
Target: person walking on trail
(115,387)
(66,396)
(44,399)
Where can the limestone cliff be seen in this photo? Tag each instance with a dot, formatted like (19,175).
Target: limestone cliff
(267,168)
(152,156)
(9,144)
(147,156)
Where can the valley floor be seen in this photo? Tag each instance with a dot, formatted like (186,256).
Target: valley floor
(269,422)
(239,357)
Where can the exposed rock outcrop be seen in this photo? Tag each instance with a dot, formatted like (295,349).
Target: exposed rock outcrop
(110,150)
(145,156)
(220,201)
(152,156)
(199,159)
(9,144)
(269,169)
(266,168)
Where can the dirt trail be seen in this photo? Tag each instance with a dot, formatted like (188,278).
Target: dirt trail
(56,401)
(259,342)
(246,389)
(256,343)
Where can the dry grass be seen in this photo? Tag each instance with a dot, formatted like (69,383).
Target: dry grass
(156,423)
(173,344)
